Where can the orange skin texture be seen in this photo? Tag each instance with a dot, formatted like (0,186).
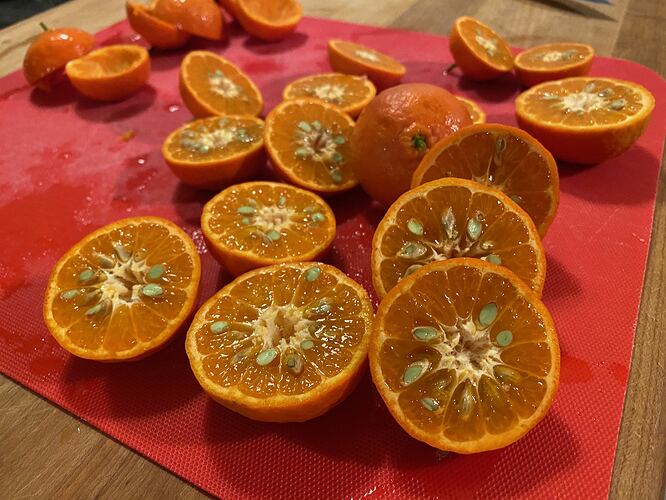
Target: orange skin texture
(51,51)
(202,18)
(383,155)
(156,32)
(275,24)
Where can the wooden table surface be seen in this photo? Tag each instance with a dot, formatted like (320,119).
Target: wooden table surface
(46,452)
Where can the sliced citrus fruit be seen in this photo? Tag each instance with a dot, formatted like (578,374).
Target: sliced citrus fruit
(124,290)
(475,111)
(268,20)
(282,343)
(51,51)
(451,218)
(211,85)
(111,73)
(478,51)
(198,17)
(465,356)
(553,61)
(308,143)
(585,119)
(215,152)
(354,59)
(502,157)
(229,6)
(154,30)
(348,92)
(262,223)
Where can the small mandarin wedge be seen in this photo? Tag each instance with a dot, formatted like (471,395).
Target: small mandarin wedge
(124,290)
(479,52)
(502,157)
(585,119)
(210,85)
(450,218)
(553,61)
(283,343)
(465,356)
(476,113)
(354,59)
(202,18)
(308,143)
(155,31)
(350,93)
(268,20)
(262,223)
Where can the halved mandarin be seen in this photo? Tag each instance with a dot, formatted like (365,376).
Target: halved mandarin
(465,356)
(155,31)
(585,119)
(451,218)
(553,61)
(354,59)
(198,17)
(111,73)
(48,54)
(268,20)
(348,92)
(283,343)
(502,157)
(210,85)
(308,143)
(475,111)
(478,51)
(124,290)
(215,152)
(263,223)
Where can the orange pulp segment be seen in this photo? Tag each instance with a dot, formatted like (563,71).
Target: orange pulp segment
(355,59)
(475,111)
(268,20)
(553,61)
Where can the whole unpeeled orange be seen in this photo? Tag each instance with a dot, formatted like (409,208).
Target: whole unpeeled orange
(396,130)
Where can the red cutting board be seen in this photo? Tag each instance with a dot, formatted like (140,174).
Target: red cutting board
(66,171)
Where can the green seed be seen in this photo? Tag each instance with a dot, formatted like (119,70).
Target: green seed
(121,251)
(294,363)
(617,104)
(307,344)
(473,229)
(273,235)
(568,54)
(430,404)
(86,275)
(412,269)
(266,356)
(318,217)
(493,259)
(413,251)
(413,372)
(488,314)
(219,327)
(337,157)
(339,139)
(312,274)
(504,338)
(156,271)
(246,210)
(104,260)
(415,227)
(246,221)
(336,176)
(69,294)
(152,290)
(424,333)
(316,124)
(304,126)
(204,149)
(302,152)
(96,309)
(282,201)
(322,308)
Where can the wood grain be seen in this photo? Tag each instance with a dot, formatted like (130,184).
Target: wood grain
(49,453)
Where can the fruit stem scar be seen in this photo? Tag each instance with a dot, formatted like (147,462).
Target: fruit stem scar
(44,26)
(419,142)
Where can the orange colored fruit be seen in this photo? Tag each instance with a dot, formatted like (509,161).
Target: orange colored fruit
(451,218)
(229,6)
(124,290)
(51,51)
(156,32)
(211,85)
(585,119)
(283,343)
(215,152)
(262,223)
(348,92)
(308,143)
(354,59)
(396,130)
(553,61)
(478,51)
(198,17)
(111,73)
(476,113)
(504,158)
(268,20)
(465,356)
